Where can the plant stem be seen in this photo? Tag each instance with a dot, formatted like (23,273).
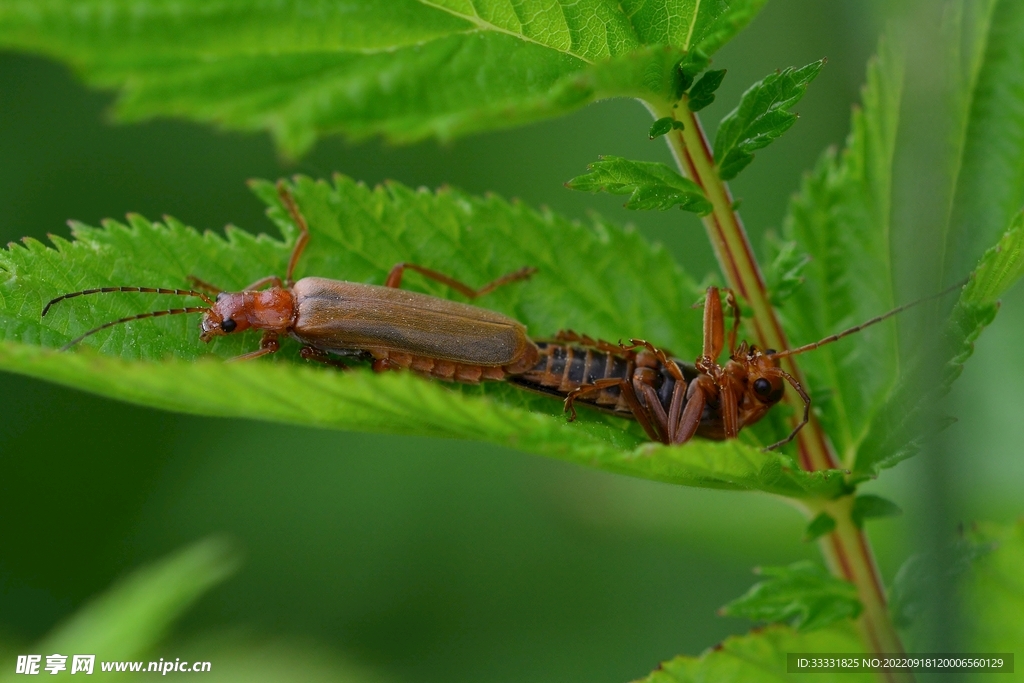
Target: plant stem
(846,549)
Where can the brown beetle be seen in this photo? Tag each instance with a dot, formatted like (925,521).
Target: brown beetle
(396,328)
(672,400)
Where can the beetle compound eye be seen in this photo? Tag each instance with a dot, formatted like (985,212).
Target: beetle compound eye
(228,325)
(762,387)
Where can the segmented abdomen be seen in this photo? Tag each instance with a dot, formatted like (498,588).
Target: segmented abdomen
(562,368)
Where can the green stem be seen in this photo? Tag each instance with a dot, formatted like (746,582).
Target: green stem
(846,549)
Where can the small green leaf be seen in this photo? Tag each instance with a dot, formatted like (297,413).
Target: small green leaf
(703,91)
(993,591)
(1000,267)
(762,116)
(687,69)
(803,593)
(761,656)
(664,125)
(650,185)
(822,524)
(786,263)
(869,506)
(133,615)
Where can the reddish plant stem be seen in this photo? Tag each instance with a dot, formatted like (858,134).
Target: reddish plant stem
(846,549)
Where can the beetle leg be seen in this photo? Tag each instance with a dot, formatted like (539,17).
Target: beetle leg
(204,285)
(573,337)
(300,222)
(584,389)
(807,408)
(268,345)
(662,357)
(690,419)
(675,407)
(730,300)
(653,409)
(642,415)
(312,353)
(263,282)
(395,279)
(714,328)
(729,402)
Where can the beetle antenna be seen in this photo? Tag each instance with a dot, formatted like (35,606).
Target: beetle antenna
(147,290)
(140,316)
(869,323)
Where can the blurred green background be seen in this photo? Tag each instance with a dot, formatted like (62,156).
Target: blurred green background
(423,559)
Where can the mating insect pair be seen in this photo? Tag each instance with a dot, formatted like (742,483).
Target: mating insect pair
(395,328)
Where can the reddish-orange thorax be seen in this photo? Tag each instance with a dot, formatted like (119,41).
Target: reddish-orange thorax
(272,310)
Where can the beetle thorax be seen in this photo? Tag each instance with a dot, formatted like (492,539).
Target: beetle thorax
(271,310)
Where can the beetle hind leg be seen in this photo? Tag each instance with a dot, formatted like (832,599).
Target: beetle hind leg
(313,354)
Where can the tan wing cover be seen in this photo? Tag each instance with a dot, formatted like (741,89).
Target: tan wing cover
(334,315)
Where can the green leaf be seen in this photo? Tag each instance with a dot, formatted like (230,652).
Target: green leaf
(823,523)
(650,185)
(803,593)
(686,70)
(664,125)
(1000,267)
(989,169)
(760,657)
(703,91)
(869,506)
(985,567)
(784,274)
(593,278)
(729,23)
(993,593)
(762,116)
(841,220)
(404,69)
(132,616)
(895,431)
(924,576)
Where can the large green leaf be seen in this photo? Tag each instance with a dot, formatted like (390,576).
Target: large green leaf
(841,220)
(988,162)
(134,615)
(761,656)
(403,68)
(593,278)
(895,431)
